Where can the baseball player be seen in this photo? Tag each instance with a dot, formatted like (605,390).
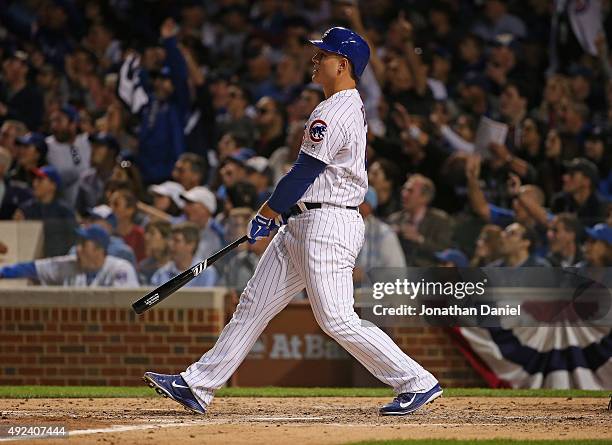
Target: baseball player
(89,266)
(316,249)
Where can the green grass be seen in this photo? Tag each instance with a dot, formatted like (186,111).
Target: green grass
(482,442)
(21,392)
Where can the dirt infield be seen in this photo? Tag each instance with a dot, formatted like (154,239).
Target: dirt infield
(315,420)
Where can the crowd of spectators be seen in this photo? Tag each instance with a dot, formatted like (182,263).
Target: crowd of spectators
(144,135)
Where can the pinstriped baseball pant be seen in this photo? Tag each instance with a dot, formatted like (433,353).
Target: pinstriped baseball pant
(316,251)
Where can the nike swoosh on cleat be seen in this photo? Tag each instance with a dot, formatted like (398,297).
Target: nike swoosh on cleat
(182,386)
(407,404)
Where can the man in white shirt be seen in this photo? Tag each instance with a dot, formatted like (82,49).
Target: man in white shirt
(90,267)
(200,205)
(182,244)
(69,152)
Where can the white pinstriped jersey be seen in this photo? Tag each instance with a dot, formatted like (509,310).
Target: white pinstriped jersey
(336,134)
(315,251)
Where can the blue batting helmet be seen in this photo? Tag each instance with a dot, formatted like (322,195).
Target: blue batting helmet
(348,44)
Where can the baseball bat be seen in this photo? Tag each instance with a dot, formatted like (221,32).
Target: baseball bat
(162,292)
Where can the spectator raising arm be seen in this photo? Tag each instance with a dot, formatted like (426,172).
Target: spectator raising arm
(177,64)
(476,196)
(19,270)
(354,17)
(527,201)
(414,61)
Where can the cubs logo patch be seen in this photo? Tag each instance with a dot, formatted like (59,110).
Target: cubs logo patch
(317,130)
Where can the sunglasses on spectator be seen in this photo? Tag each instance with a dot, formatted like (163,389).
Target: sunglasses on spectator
(76,157)
(262,110)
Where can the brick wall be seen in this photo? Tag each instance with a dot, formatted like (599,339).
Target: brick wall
(67,345)
(435,350)
(74,337)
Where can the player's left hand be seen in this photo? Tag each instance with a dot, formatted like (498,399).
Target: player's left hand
(260,227)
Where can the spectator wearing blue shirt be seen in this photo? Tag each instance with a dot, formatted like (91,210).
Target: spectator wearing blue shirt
(163,119)
(183,243)
(103,217)
(58,220)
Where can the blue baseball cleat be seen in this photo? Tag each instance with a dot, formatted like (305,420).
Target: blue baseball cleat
(409,402)
(175,387)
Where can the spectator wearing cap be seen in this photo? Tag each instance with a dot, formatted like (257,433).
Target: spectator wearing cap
(157,234)
(123,203)
(579,193)
(31,154)
(163,118)
(102,215)
(58,219)
(518,247)
(452,258)
(190,170)
(564,236)
(381,247)
(91,266)
(260,175)
(182,246)
(496,20)
(104,151)
(595,151)
(69,152)
(19,98)
(422,229)
(11,195)
(200,206)
(270,127)
(598,246)
(167,197)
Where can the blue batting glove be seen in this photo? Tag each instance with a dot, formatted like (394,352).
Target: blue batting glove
(260,227)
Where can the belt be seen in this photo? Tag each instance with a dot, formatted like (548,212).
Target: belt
(301,207)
